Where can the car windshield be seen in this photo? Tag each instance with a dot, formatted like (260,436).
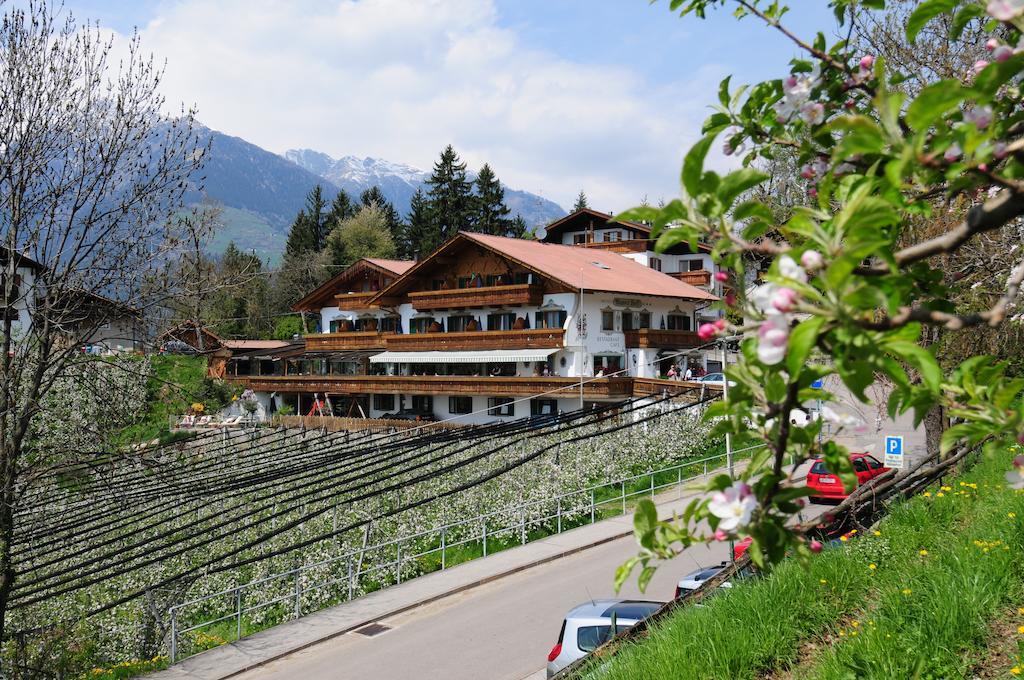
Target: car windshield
(713,376)
(704,574)
(631,609)
(589,638)
(819,468)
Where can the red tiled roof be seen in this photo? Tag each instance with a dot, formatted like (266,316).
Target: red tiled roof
(592,268)
(395,266)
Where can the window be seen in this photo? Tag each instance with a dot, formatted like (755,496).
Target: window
(677,322)
(589,638)
(696,265)
(460,404)
(423,403)
(627,321)
(552,319)
(655,264)
(420,325)
(384,402)
(437,284)
(335,323)
(390,324)
(608,321)
(500,322)
(543,407)
(522,277)
(632,321)
(579,239)
(610,364)
(612,236)
(459,323)
(500,406)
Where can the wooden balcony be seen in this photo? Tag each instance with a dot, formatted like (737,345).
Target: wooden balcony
(479,340)
(652,387)
(351,301)
(631,246)
(599,388)
(699,277)
(659,339)
(492,296)
(346,341)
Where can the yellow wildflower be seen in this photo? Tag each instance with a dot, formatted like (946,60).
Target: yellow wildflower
(939,495)
(878,533)
(856,624)
(1015,670)
(1011,515)
(823,581)
(906,591)
(844,539)
(1020,630)
(923,553)
(872,567)
(927,494)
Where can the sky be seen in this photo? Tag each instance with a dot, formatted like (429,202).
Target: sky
(559,96)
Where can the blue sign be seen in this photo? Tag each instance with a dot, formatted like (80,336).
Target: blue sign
(818,384)
(894,446)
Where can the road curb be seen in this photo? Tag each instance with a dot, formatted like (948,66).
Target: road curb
(420,603)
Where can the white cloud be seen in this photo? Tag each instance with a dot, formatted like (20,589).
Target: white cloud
(398,80)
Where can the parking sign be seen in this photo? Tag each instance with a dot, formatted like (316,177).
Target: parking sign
(894,452)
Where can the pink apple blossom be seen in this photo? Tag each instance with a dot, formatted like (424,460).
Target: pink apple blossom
(953,153)
(866,62)
(981,116)
(812,260)
(1002,53)
(816,546)
(733,507)
(773,335)
(784,299)
(706,331)
(978,67)
(721,535)
(720,325)
(721,277)
(1005,10)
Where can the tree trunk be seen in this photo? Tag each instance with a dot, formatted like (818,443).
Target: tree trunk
(934,426)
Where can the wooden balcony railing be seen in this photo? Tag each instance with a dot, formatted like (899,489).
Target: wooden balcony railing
(492,296)
(346,341)
(631,246)
(480,340)
(350,301)
(699,277)
(607,388)
(659,339)
(646,387)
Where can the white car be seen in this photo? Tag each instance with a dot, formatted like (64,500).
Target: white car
(696,579)
(589,625)
(715,379)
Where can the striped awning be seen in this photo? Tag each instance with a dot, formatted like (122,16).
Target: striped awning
(468,357)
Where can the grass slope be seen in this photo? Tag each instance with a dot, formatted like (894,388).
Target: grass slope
(911,600)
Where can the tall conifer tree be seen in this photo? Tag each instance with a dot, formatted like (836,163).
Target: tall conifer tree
(449,198)
(418,228)
(581,202)
(489,213)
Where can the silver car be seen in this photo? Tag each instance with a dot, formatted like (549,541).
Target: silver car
(589,625)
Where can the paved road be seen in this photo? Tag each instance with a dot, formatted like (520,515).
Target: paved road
(502,630)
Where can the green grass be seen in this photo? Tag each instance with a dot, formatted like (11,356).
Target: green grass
(917,615)
(175,384)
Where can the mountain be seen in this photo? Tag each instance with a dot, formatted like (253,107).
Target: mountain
(261,192)
(399,182)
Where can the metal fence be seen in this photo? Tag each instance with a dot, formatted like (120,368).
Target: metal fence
(344,573)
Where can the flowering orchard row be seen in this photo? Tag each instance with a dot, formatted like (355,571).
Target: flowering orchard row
(109,554)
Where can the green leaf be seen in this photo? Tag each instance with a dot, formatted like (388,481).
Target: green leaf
(924,13)
(862,136)
(723,91)
(801,341)
(920,358)
(964,17)
(645,577)
(645,519)
(749,209)
(624,570)
(693,165)
(994,76)
(735,183)
(934,102)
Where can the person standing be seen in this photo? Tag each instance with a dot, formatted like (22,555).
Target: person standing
(688,375)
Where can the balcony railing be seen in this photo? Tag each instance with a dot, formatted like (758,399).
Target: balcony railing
(492,296)
(349,301)
(479,340)
(346,341)
(699,277)
(661,339)
(630,246)
(609,388)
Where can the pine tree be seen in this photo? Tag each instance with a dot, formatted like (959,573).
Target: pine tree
(517,228)
(581,202)
(342,208)
(489,212)
(393,221)
(449,198)
(309,230)
(417,228)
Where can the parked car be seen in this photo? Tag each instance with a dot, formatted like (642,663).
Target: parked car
(826,486)
(589,625)
(715,379)
(696,579)
(410,414)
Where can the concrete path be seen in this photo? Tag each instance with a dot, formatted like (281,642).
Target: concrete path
(260,648)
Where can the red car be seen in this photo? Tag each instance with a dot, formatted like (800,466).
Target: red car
(827,486)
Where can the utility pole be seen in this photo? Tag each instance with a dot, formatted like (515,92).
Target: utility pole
(725,395)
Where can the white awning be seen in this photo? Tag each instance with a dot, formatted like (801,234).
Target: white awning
(469,357)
